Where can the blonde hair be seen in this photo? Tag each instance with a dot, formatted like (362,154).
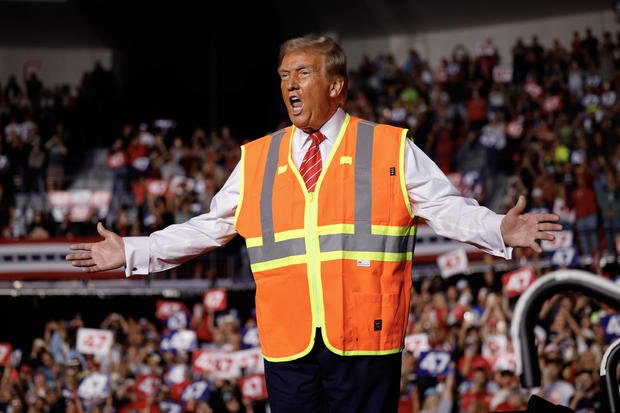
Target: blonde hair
(335,58)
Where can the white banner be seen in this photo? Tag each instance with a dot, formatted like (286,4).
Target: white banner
(94,341)
(453,262)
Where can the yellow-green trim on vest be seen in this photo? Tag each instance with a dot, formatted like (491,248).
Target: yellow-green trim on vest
(241,171)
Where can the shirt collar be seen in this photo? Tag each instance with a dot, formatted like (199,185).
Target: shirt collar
(331,128)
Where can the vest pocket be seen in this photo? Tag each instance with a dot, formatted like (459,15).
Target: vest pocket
(374,322)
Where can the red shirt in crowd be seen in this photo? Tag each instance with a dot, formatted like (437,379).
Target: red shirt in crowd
(584,200)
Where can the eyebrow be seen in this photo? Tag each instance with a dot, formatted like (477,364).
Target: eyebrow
(295,69)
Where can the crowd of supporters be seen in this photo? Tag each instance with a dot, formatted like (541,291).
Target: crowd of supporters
(552,132)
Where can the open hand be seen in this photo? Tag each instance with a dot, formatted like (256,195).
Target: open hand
(99,256)
(522,230)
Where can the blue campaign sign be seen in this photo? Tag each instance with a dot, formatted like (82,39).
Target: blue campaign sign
(94,386)
(564,257)
(182,340)
(433,363)
(170,407)
(611,324)
(198,390)
(177,320)
(249,337)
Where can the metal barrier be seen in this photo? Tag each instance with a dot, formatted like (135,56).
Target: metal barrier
(526,313)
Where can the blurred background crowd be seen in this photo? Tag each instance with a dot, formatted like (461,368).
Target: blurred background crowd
(548,127)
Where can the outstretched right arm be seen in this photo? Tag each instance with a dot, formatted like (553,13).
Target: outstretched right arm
(169,247)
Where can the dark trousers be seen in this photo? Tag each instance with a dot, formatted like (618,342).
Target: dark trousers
(324,382)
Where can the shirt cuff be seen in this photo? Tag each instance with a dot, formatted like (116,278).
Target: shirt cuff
(505,251)
(136,255)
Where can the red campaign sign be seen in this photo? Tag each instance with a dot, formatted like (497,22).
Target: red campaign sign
(226,366)
(156,187)
(552,103)
(148,385)
(515,282)
(165,309)
(514,129)
(5,354)
(116,160)
(251,360)
(203,361)
(533,89)
(214,299)
(253,387)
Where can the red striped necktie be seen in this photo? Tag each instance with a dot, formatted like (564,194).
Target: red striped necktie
(310,167)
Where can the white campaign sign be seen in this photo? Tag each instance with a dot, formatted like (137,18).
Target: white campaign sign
(453,262)
(417,343)
(251,360)
(563,239)
(94,386)
(94,341)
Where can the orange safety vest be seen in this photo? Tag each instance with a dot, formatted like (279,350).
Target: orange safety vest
(338,258)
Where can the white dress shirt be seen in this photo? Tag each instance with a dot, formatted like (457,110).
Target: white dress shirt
(432,197)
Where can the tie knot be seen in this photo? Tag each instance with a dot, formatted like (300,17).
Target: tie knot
(317,137)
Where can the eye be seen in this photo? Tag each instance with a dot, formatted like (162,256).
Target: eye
(284,76)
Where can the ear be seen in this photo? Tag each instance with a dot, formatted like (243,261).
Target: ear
(336,86)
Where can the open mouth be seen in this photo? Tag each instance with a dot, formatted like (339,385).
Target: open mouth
(296,105)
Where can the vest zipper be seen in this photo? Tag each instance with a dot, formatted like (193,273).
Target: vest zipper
(317,309)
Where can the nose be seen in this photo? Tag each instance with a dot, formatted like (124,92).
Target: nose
(291,83)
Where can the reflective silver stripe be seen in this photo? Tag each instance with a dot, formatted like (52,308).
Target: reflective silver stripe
(266,195)
(366,242)
(363,239)
(281,249)
(271,250)
(363,177)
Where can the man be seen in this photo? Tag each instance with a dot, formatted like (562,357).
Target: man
(326,207)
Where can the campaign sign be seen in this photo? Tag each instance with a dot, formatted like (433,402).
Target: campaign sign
(253,387)
(552,103)
(94,341)
(147,385)
(214,299)
(433,363)
(493,346)
(514,129)
(182,340)
(502,74)
(165,308)
(226,366)
(249,337)
(5,354)
(563,239)
(564,258)
(505,362)
(202,361)
(611,324)
(175,374)
(416,343)
(453,262)
(533,89)
(116,160)
(94,386)
(251,360)
(177,321)
(156,187)
(196,391)
(515,282)
(170,407)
